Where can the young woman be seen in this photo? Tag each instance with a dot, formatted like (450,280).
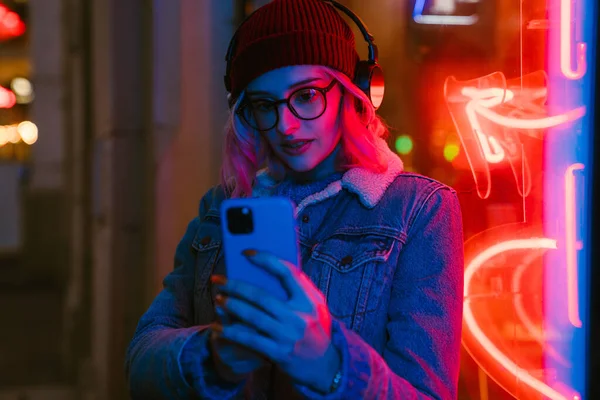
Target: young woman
(375,308)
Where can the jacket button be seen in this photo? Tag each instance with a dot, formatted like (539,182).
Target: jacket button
(305,218)
(205,240)
(346,260)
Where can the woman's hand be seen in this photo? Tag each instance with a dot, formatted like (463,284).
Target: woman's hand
(295,334)
(232,361)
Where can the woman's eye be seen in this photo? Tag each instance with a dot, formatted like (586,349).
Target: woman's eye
(262,106)
(306,96)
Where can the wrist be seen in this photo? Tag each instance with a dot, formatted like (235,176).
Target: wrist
(222,371)
(330,379)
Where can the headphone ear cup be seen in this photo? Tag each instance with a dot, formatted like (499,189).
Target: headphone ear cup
(362,76)
(369,78)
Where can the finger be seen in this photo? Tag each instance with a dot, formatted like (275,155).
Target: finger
(309,288)
(238,357)
(260,298)
(256,319)
(285,271)
(222,317)
(266,346)
(217,339)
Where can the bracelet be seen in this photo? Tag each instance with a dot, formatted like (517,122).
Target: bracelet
(336,381)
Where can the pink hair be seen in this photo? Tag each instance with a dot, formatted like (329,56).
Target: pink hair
(245,152)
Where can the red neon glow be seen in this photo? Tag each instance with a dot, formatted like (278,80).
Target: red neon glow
(7,98)
(482,339)
(522,280)
(502,362)
(490,113)
(535,330)
(572,244)
(11,24)
(497,96)
(492,150)
(566,42)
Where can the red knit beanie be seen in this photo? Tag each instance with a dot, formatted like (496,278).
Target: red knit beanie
(291,32)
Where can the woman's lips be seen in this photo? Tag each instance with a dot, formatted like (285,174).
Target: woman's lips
(296,147)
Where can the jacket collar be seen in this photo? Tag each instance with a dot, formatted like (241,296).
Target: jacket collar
(369,186)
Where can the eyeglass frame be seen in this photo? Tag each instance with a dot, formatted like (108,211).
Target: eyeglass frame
(286,101)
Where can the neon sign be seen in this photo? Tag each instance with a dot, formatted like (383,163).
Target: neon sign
(483,342)
(443,12)
(482,253)
(487,252)
(566,42)
(507,109)
(472,104)
(505,365)
(572,244)
(524,282)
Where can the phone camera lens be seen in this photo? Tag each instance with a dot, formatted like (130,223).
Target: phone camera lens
(240,220)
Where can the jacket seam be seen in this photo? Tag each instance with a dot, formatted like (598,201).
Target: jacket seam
(416,215)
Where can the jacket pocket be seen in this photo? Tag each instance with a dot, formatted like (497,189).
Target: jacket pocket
(207,246)
(354,269)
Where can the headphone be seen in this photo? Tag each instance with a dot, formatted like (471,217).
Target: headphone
(368,76)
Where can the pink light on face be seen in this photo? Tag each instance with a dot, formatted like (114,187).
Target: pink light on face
(571,244)
(566,42)
(508,365)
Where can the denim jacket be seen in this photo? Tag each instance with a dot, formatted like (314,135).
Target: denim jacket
(386,250)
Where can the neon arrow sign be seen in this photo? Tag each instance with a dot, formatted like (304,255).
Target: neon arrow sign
(503,106)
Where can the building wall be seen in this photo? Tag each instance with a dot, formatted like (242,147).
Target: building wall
(158,112)
(189,113)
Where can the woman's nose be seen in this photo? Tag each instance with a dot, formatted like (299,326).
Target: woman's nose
(288,123)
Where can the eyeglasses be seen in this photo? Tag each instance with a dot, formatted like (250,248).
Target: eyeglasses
(307,103)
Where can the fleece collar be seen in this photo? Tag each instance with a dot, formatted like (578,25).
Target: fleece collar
(367,185)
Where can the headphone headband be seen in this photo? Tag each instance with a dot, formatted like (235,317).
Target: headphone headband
(373,52)
(367,70)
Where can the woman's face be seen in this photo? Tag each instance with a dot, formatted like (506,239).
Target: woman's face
(307,147)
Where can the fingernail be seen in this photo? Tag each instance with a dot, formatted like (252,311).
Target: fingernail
(249,252)
(218,328)
(218,279)
(220,300)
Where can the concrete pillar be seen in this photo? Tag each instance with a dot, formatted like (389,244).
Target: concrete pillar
(44,198)
(190,110)
(159,111)
(47,58)
(122,183)
(76,340)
